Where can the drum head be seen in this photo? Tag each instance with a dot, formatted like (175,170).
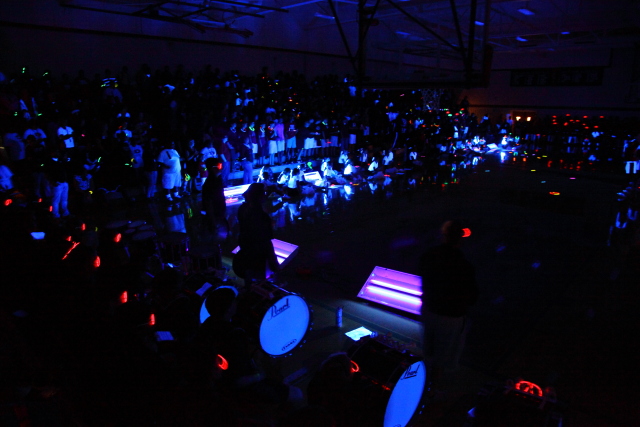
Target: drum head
(114,225)
(136,224)
(284,325)
(143,235)
(204,313)
(406,396)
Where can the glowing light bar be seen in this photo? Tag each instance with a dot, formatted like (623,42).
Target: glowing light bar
(529,388)
(70,249)
(124,297)
(238,190)
(394,289)
(526,11)
(221,362)
(284,251)
(312,177)
(152,319)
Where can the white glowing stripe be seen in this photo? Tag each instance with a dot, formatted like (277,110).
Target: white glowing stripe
(283,250)
(312,176)
(394,295)
(236,191)
(284,246)
(401,288)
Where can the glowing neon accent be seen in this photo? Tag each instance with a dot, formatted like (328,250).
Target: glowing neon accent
(50,208)
(68,239)
(529,388)
(117,238)
(221,362)
(96,262)
(554,193)
(8,202)
(152,319)
(236,191)
(40,200)
(70,249)
(466,232)
(124,297)
(400,288)
(394,295)
(284,251)
(83,227)
(394,289)
(204,313)
(354,367)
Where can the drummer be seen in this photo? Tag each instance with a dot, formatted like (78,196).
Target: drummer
(255,235)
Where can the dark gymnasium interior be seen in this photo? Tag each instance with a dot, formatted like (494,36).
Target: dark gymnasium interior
(319,213)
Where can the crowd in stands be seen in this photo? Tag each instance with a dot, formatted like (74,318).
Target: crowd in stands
(79,352)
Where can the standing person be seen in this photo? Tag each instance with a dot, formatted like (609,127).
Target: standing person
(150,165)
(291,140)
(214,205)
(224,155)
(449,290)
(263,143)
(254,238)
(207,152)
(213,200)
(170,163)
(280,140)
(232,142)
(65,135)
(272,137)
(57,168)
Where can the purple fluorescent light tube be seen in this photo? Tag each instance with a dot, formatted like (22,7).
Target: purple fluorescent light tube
(397,296)
(397,287)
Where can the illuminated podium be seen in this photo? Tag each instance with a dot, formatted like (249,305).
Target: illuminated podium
(284,251)
(395,289)
(233,195)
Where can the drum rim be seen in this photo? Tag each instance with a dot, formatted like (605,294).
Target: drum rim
(421,400)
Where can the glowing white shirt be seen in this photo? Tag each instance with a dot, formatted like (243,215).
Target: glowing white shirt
(170,157)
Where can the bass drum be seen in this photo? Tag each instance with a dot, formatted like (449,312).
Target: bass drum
(280,319)
(401,376)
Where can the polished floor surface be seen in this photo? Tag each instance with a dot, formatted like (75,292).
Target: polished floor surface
(558,280)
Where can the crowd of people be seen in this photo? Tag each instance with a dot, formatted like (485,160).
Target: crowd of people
(79,349)
(65,137)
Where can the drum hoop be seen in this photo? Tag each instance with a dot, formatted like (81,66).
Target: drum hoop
(397,371)
(421,400)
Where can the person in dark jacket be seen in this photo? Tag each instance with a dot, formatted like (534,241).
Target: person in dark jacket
(254,237)
(449,290)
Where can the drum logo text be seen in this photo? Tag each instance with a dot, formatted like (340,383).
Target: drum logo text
(410,374)
(293,341)
(275,310)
